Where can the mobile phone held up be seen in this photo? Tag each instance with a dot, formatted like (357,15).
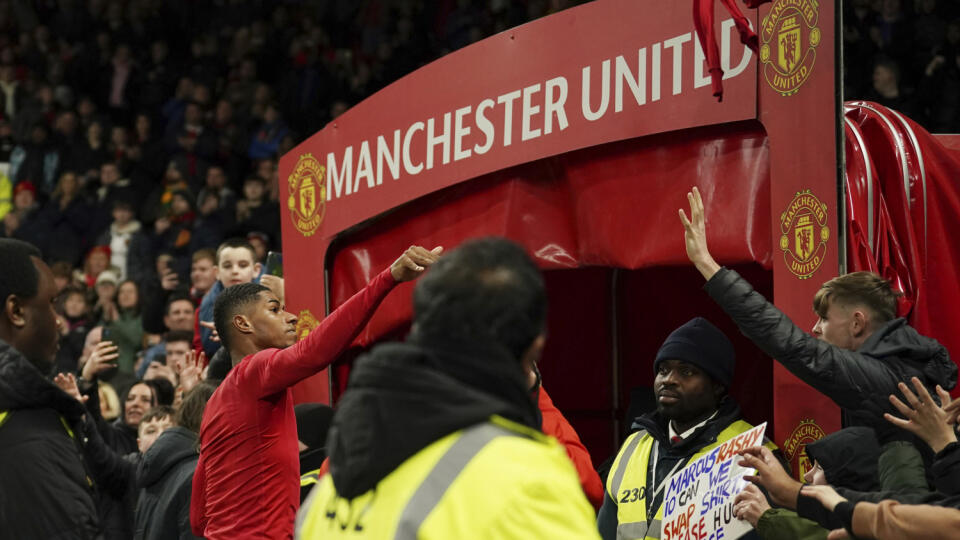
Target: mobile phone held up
(274,264)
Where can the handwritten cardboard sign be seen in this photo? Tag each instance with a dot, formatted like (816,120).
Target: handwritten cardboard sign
(699,499)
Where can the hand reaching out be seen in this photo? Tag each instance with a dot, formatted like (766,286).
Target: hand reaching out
(770,475)
(925,418)
(695,236)
(414,262)
(215,337)
(827,496)
(750,504)
(68,383)
(275,284)
(103,358)
(191,371)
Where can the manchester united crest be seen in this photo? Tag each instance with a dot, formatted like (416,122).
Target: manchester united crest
(790,38)
(306,322)
(308,194)
(795,446)
(805,234)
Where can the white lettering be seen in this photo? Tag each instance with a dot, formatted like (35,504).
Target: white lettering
(342,179)
(623,76)
(364,168)
(433,140)
(729,73)
(507,101)
(459,132)
(555,106)
(383,154)
(407,162)
(588,113)
(484,125)
(528,111)
(655,73)
(677,45)
(700,77)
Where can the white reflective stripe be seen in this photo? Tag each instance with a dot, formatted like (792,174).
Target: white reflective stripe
(631,531)
(865,154)
(433,487)
(638,529)
(923,174)
(305,511)
(622,468)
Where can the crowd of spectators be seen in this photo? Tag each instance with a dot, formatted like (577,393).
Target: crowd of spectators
(138,135)
(905,54)
(135,133)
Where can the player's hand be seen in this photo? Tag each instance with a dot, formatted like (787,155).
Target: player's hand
(695,236)
(414,261)
(214,337)
(275,284)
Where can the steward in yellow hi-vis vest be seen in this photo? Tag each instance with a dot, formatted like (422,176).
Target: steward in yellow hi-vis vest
(437,438)
(694,415)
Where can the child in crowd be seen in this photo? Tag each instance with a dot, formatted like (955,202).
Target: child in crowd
(236,264)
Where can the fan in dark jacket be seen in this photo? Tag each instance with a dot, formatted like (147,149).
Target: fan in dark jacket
(47,492)
(845,458)
(165,475)
(860,352)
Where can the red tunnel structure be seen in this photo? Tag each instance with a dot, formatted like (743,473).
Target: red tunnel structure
(577,136)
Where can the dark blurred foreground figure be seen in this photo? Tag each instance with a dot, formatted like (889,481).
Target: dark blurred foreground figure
(47,492)
(438,437)
(313,422)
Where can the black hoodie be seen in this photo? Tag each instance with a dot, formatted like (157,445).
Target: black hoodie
(47,492)
(403,397)
(848,458)
(165,479)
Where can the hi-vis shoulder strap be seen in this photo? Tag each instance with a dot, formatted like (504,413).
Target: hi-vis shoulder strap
(310,478)
(426,497)
(5,415)
(621,470)
(444,472)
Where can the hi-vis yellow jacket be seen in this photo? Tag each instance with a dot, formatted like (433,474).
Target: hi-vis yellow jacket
(627,482)
(496,480)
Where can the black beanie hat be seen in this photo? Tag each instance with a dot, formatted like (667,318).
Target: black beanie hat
(702,344)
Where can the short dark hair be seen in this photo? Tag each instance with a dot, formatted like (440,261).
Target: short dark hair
(19,276)
(178,297)
(158,413)
(178,335)
(163,390)
(235,243)
(190,413)
(858,288)
(487,290)
(229,303)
